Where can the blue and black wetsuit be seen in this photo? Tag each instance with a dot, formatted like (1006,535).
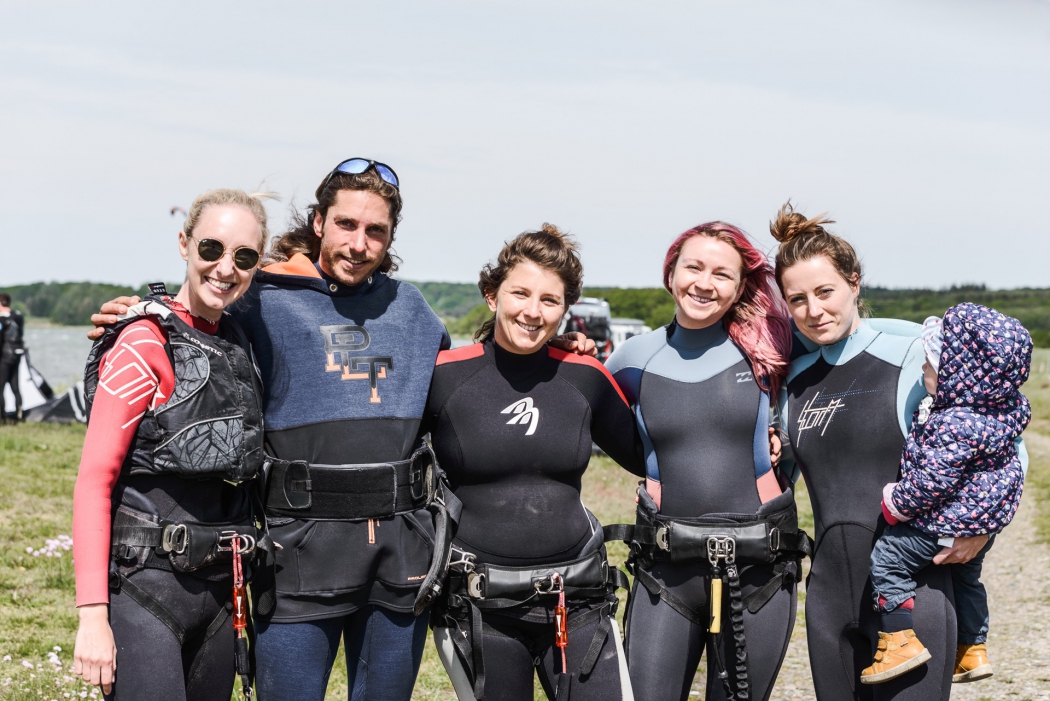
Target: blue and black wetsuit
(846,409)
(704,422)
(514,435)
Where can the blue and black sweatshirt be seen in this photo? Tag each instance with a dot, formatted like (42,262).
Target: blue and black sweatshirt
(346,372)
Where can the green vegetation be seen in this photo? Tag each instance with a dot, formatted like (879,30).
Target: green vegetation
(69,303)
(461,308)
(451,300)
(1030,306)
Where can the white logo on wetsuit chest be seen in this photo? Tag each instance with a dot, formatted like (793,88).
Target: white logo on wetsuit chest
(523,412)
(744,376)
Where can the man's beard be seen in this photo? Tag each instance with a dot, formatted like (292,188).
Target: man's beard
(331,262)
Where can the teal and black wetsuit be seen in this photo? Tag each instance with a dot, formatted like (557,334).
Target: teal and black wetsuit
(847,408)
(704,422)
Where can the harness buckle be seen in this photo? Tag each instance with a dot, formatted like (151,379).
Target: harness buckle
(465,561)
(228,537)
(551,584)
(174,538)
(721,549)
(774,539)
(663,538)
(474,582)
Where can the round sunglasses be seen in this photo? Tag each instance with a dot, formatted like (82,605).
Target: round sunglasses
(211,250)
(356,166)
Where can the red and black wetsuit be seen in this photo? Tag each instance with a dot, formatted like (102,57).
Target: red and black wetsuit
(514,435)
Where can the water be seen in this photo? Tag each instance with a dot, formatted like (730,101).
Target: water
(59,354)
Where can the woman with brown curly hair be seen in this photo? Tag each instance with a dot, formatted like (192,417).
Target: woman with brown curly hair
(513,421)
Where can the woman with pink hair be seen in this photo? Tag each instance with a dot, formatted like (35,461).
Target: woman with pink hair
(716,548)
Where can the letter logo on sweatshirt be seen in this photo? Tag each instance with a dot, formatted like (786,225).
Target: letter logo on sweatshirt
(340,342)
(524,413)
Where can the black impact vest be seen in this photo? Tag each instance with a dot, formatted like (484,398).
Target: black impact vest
(212,425)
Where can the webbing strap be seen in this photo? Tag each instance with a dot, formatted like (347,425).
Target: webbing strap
(140,597)
(656,589)
(298,489)
(137,536)
(630,534)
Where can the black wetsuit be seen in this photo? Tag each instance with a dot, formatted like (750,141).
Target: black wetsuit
(514,434)
(848,406)
(152,661)
(705,424)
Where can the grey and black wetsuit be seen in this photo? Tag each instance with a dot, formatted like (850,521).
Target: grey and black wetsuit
(514,435)
(847,408)
(704,423)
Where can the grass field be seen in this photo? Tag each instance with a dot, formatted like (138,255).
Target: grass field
(38,465)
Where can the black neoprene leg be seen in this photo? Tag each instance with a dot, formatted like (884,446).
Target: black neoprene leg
(664,647)
(151,664)
(842,625)
(604,683)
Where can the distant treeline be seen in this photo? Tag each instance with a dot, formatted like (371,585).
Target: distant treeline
(460,304)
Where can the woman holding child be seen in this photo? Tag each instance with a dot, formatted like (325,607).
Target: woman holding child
(847,407)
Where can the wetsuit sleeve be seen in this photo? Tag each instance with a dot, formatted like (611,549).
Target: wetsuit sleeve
(787,466)
(613,425)
(628,374)
(1022,454)
(910,387)
(951,446)
(135,376)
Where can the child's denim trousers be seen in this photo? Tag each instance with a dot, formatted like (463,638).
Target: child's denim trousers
(902,551)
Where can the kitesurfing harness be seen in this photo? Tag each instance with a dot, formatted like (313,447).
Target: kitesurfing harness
(577,592)
(720,546)
(302,490)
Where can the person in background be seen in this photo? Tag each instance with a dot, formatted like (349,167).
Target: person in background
(12,328)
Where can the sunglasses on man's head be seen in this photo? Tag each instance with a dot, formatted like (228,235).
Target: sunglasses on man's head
(211,250)
(356,166)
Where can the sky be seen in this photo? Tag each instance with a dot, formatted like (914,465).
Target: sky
(921,127)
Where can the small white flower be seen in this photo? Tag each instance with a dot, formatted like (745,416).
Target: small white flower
(56,648)
(7,658)
(27,664)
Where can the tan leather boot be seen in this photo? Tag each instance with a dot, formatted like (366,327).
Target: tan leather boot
(971,663)
(898,653)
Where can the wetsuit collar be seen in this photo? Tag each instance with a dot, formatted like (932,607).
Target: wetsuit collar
(696,339)
(514,363)
(851,346)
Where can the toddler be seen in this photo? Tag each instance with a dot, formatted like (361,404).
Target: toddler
(961,475)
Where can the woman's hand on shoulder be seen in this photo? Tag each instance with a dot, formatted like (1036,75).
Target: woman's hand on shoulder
(964,550)
(574,342)
(108,314)
(95,653)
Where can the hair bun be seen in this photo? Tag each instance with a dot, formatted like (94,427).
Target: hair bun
(790,225)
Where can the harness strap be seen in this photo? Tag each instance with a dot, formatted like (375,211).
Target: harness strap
(655,588)
(143,599)
(736,618)
(302,490)
(446,508)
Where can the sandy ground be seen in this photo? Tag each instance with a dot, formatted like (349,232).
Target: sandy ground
(1017,576)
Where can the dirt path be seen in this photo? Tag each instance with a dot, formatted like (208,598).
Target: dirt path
(1017,576)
